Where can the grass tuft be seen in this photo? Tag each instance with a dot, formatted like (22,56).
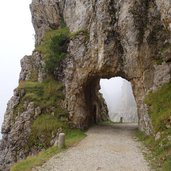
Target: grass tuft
(54,48)
(159,103)
(72,136)
(48,96)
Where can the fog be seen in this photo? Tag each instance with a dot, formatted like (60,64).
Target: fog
(119,98)
(16,40)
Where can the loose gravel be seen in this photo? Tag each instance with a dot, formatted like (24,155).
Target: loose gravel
(106,148)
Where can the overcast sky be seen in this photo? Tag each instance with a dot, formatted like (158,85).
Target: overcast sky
(16,40)
(111,91)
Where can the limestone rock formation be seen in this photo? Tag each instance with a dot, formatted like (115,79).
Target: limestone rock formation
(128,38)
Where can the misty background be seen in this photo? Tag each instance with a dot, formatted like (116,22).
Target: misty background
(17,40)
(119,98)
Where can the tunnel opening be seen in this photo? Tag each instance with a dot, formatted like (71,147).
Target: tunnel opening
(118,95)
(109,99)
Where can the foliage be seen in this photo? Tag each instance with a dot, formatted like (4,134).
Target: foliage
(72,136)
(42,129)
(32,161)
(48,96)
(45,94)
(166,48)
(159,103)
(54,47)
(160,151)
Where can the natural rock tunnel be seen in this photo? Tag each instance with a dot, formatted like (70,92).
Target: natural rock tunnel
(92,107)
(108,38)
(97,106)
(122,38)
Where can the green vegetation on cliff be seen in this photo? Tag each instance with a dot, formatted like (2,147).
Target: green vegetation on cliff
(159,103)
(54,47)
(48,96)
(51,116)
(72,136)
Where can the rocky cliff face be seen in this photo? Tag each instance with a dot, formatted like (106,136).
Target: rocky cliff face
(128,38)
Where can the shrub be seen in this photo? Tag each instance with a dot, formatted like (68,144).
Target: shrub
(54,48)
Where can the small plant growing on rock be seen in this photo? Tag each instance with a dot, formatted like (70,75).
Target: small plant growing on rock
(159,103)
(54,48)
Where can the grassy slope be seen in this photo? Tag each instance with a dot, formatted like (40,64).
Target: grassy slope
(159,103)
(46,95)
(72,136)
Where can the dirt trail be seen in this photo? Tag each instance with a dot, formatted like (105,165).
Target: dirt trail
(106,148)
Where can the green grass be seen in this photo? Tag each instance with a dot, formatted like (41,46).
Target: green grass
(49,96)
(45,94)
(33,161)
(159,103)
(72,136)
(42,129)
(54,46)
(159,153)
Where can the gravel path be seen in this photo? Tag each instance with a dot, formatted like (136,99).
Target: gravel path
(106,148)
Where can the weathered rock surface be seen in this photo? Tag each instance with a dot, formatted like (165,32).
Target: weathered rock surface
(128,38)
(46,14)
(32,68)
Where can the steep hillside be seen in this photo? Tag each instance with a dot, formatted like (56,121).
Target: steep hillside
(78,42)
(159,104)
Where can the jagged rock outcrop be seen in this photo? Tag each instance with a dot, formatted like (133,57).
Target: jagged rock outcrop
(128,38)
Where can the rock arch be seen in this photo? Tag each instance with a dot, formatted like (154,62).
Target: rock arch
(90,104)
(109,38)
(114,38)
